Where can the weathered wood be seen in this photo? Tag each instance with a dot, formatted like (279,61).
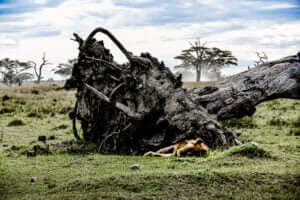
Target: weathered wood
(140,106)
(238,95)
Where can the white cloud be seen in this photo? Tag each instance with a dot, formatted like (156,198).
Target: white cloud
(39,1)
(278,6)
(140,29)
(5,41)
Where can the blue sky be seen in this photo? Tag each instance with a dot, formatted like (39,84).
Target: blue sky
(30,27)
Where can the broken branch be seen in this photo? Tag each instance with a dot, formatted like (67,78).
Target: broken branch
(125,109)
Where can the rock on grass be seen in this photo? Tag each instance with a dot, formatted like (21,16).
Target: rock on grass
(135,167)
(251,150)
(42,138)
(33,179)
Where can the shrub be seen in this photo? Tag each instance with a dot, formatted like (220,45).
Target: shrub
(295,131)
(21,102)
(34,114)
(5,98)
(251,151)
(277,122)
(35,91)
(16,122)
(7,110)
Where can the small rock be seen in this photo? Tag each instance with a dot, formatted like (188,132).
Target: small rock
(250,144)
(135,167)
(41,149)
(180,160)
(33,179)
(52,137)
(42,138)
(5,145)
(14,148)
(31,154)
(5,98)
(51,185)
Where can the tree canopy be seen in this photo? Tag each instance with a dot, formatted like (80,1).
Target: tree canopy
(14,71)
(65,69)
(199,57)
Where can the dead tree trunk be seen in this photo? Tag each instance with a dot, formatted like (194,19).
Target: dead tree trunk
(238,95)
(39,69)
(198,75)
(140,106)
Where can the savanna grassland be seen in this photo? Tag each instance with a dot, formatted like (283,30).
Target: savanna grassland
(40,160)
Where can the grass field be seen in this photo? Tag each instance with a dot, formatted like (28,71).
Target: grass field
(32,169)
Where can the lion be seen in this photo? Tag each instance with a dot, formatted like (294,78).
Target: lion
(182,148)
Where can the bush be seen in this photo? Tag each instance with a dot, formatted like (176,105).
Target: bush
(21,102)
(35,91)
(277,122)
(7,110)
(16,122)
(295,132)
(5,98)
(250,150)
(34,114)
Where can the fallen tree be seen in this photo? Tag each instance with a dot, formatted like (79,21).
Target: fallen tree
(140,106)
(238,95)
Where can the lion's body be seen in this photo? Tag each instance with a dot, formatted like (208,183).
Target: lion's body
(185,147)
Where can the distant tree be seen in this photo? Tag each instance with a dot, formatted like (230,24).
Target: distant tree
(38,69)
(200,58)
(262,58)
(65,69)
(13,71)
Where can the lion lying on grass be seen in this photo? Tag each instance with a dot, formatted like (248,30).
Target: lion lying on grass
(185,147)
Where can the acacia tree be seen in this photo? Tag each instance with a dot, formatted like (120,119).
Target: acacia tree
(13,71)
(38,70)
(200,57)
(65,69)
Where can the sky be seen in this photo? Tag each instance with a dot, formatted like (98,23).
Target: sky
(162,27)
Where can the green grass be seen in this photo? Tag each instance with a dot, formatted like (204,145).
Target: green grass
(270,170)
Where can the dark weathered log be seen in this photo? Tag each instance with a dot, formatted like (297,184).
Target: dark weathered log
(140,106)
(238,95)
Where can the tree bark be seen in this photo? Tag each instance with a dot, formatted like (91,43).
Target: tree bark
(198,75)
(140,105)
(237,96)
